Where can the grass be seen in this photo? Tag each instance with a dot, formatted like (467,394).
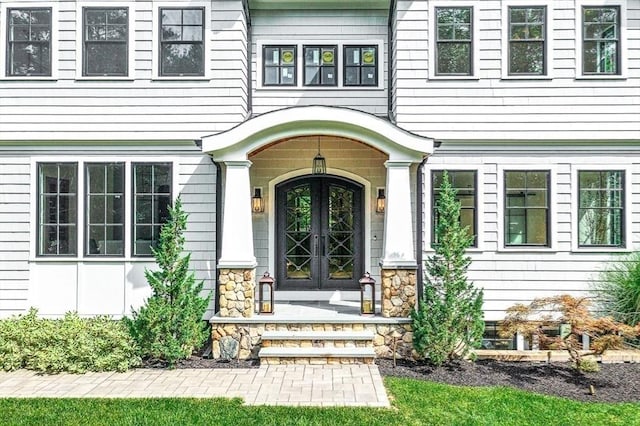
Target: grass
(415,403)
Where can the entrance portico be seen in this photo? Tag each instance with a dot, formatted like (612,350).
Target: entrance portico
(268,150)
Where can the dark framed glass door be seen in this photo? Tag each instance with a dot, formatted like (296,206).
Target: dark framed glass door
(319,233)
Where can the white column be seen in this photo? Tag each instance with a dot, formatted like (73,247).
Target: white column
(237,232)
(399,248)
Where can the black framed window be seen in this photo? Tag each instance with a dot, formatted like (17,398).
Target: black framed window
(279,65)
(360,66)
(29,42)
(106,34)
(152,189)
(57,209)
(182,42)
(601,40)
(464,182)
(454,41)
(526,219)
(601,208)
(320,65)
(104,220)
(527,34)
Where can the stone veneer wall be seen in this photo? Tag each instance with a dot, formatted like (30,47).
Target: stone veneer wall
(236,292)
(398,292)
(243,341)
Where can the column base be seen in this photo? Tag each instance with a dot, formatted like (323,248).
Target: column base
(236,292)
(398,292)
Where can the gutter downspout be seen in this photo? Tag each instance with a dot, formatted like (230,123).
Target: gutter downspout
(392,11)
(218,231)
(419,227)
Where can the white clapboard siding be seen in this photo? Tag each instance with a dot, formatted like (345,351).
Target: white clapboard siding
(319,27)
(71,107)
(489,107)
(511,276)
(14,234)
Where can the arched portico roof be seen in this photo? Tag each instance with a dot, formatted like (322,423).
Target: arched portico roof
(235,144)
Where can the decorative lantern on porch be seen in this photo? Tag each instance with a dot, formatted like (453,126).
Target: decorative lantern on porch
(367,295)
(265,294)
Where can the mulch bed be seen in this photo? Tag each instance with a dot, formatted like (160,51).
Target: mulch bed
(613,383)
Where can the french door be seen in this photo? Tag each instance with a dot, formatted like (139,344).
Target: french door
(319,233)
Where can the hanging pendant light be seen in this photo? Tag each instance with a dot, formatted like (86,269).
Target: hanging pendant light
(319,164)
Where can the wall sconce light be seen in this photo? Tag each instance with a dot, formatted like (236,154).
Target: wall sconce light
(380,201)
(257,202)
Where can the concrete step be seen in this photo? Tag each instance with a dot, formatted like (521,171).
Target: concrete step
(318,335)
(324,355)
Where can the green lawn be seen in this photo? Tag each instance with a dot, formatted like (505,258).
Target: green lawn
(415,403)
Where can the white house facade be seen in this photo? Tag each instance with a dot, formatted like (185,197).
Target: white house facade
(109,110)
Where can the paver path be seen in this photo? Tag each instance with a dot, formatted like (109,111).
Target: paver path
(319,385)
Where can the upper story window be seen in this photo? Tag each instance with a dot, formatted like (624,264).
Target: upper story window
(320,65)
(454,41)
(105,41)
(601,40)
(526,208)
(464,182)
(279,65)
(104,235)
(182,42)
(527,34)
(600,208)
(360,66)
(57,209)
(29,42)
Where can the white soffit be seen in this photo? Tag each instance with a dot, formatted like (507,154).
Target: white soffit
(236,143)
(318,4)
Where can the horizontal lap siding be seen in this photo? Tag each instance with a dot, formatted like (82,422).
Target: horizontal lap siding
(140,108)
(494,108)
(319,26)
(510,277)
(15,211)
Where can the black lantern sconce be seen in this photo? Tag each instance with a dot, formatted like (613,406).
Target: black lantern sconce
(319,166)
(380,201)
(257,202)
(367,295)
(265,294)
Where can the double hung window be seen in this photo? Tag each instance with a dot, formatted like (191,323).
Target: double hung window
(601,40)
(182,42)
(526,221)
(29,42)
(105,209)
(527,34)
(105,38)
(454,42)
(464,182)
(600,208)
(151,201)
(57,209)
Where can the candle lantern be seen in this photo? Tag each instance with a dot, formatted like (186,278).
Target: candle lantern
(265,294)
(367,295)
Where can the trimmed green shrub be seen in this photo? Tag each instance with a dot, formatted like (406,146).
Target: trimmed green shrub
(71,344)
(448,323)
(169,326)
(619,290)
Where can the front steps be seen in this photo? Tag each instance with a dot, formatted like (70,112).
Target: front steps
(317,347)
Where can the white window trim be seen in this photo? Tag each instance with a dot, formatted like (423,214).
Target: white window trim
(300,65)
(622,44)
(475,40)
(81,161)
(428,195)
(553,219)
(131,6)
(548,39)
(3,39)
(627,236)
(207,40)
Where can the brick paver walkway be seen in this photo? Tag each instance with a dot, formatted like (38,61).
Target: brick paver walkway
(319,385)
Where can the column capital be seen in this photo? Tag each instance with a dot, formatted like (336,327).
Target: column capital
(238,163)
(397,163)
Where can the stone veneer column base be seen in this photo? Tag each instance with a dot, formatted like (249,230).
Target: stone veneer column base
(398,292)
(236,292)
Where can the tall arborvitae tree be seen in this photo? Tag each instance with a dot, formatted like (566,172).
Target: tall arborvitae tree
(169,326)
(448,322)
